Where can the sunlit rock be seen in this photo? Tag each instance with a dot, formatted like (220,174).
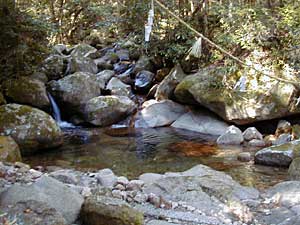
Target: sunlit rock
(232,136)
(252,133)
(107,110)
(33,129)
(9,150)
(263,99)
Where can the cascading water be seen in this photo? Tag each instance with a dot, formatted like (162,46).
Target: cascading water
(57,115)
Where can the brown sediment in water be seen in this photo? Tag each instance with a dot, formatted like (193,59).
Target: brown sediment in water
(122,132)
(189,148)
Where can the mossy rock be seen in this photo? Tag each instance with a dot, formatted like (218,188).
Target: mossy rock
(74,91)
(82,50)
(102,210)
(9,150)
(2,99)
(33,129)
(54,67)
(25,90)
(207,88)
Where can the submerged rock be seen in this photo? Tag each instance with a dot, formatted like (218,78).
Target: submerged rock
(239,106)
(9,150)
(28,91)
(165,89)
(158,114)
(31,128)
(49,191)
(75,90)
(201,121)
(107,110)
(232,136)
(98,210)
(279,155)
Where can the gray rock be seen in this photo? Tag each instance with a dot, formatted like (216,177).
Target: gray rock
(282,139)
(244,156)
(144,63)
(117,87)
(159,222)
(283,127)
(25,90)
(102,64)
(39,76)
(294,169)
(32,212)
(49,191)
(106,178)
(159,114)
(140,198)
(232,136)
(201,121)
(75,90)
(135,185)
(82,50)
(285,194)
(122,180)
(123,54)
(252,133)
(65,176)
(150,177)
(98,210)
(257,143)
(107,110)
(279,155)
(83,64)
(32,129)
(54,66)
(60,49)
(103,77)
(143,81)
(165,89)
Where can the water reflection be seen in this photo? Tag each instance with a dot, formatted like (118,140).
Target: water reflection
(131,152)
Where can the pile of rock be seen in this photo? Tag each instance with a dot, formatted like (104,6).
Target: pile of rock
(60,197)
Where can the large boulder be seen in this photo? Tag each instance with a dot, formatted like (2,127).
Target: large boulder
(239,105)
(32,213)
(31,128)
(49,191)
(54,66)
(107,110)
(9,150)
(252,133)
(75,90)
(201,121)
(278,155)
(232,136)
(27,91)
(158,114)
(102,210)
(82,64)
(165,89)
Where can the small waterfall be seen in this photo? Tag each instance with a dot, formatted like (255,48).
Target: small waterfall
(57,115)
